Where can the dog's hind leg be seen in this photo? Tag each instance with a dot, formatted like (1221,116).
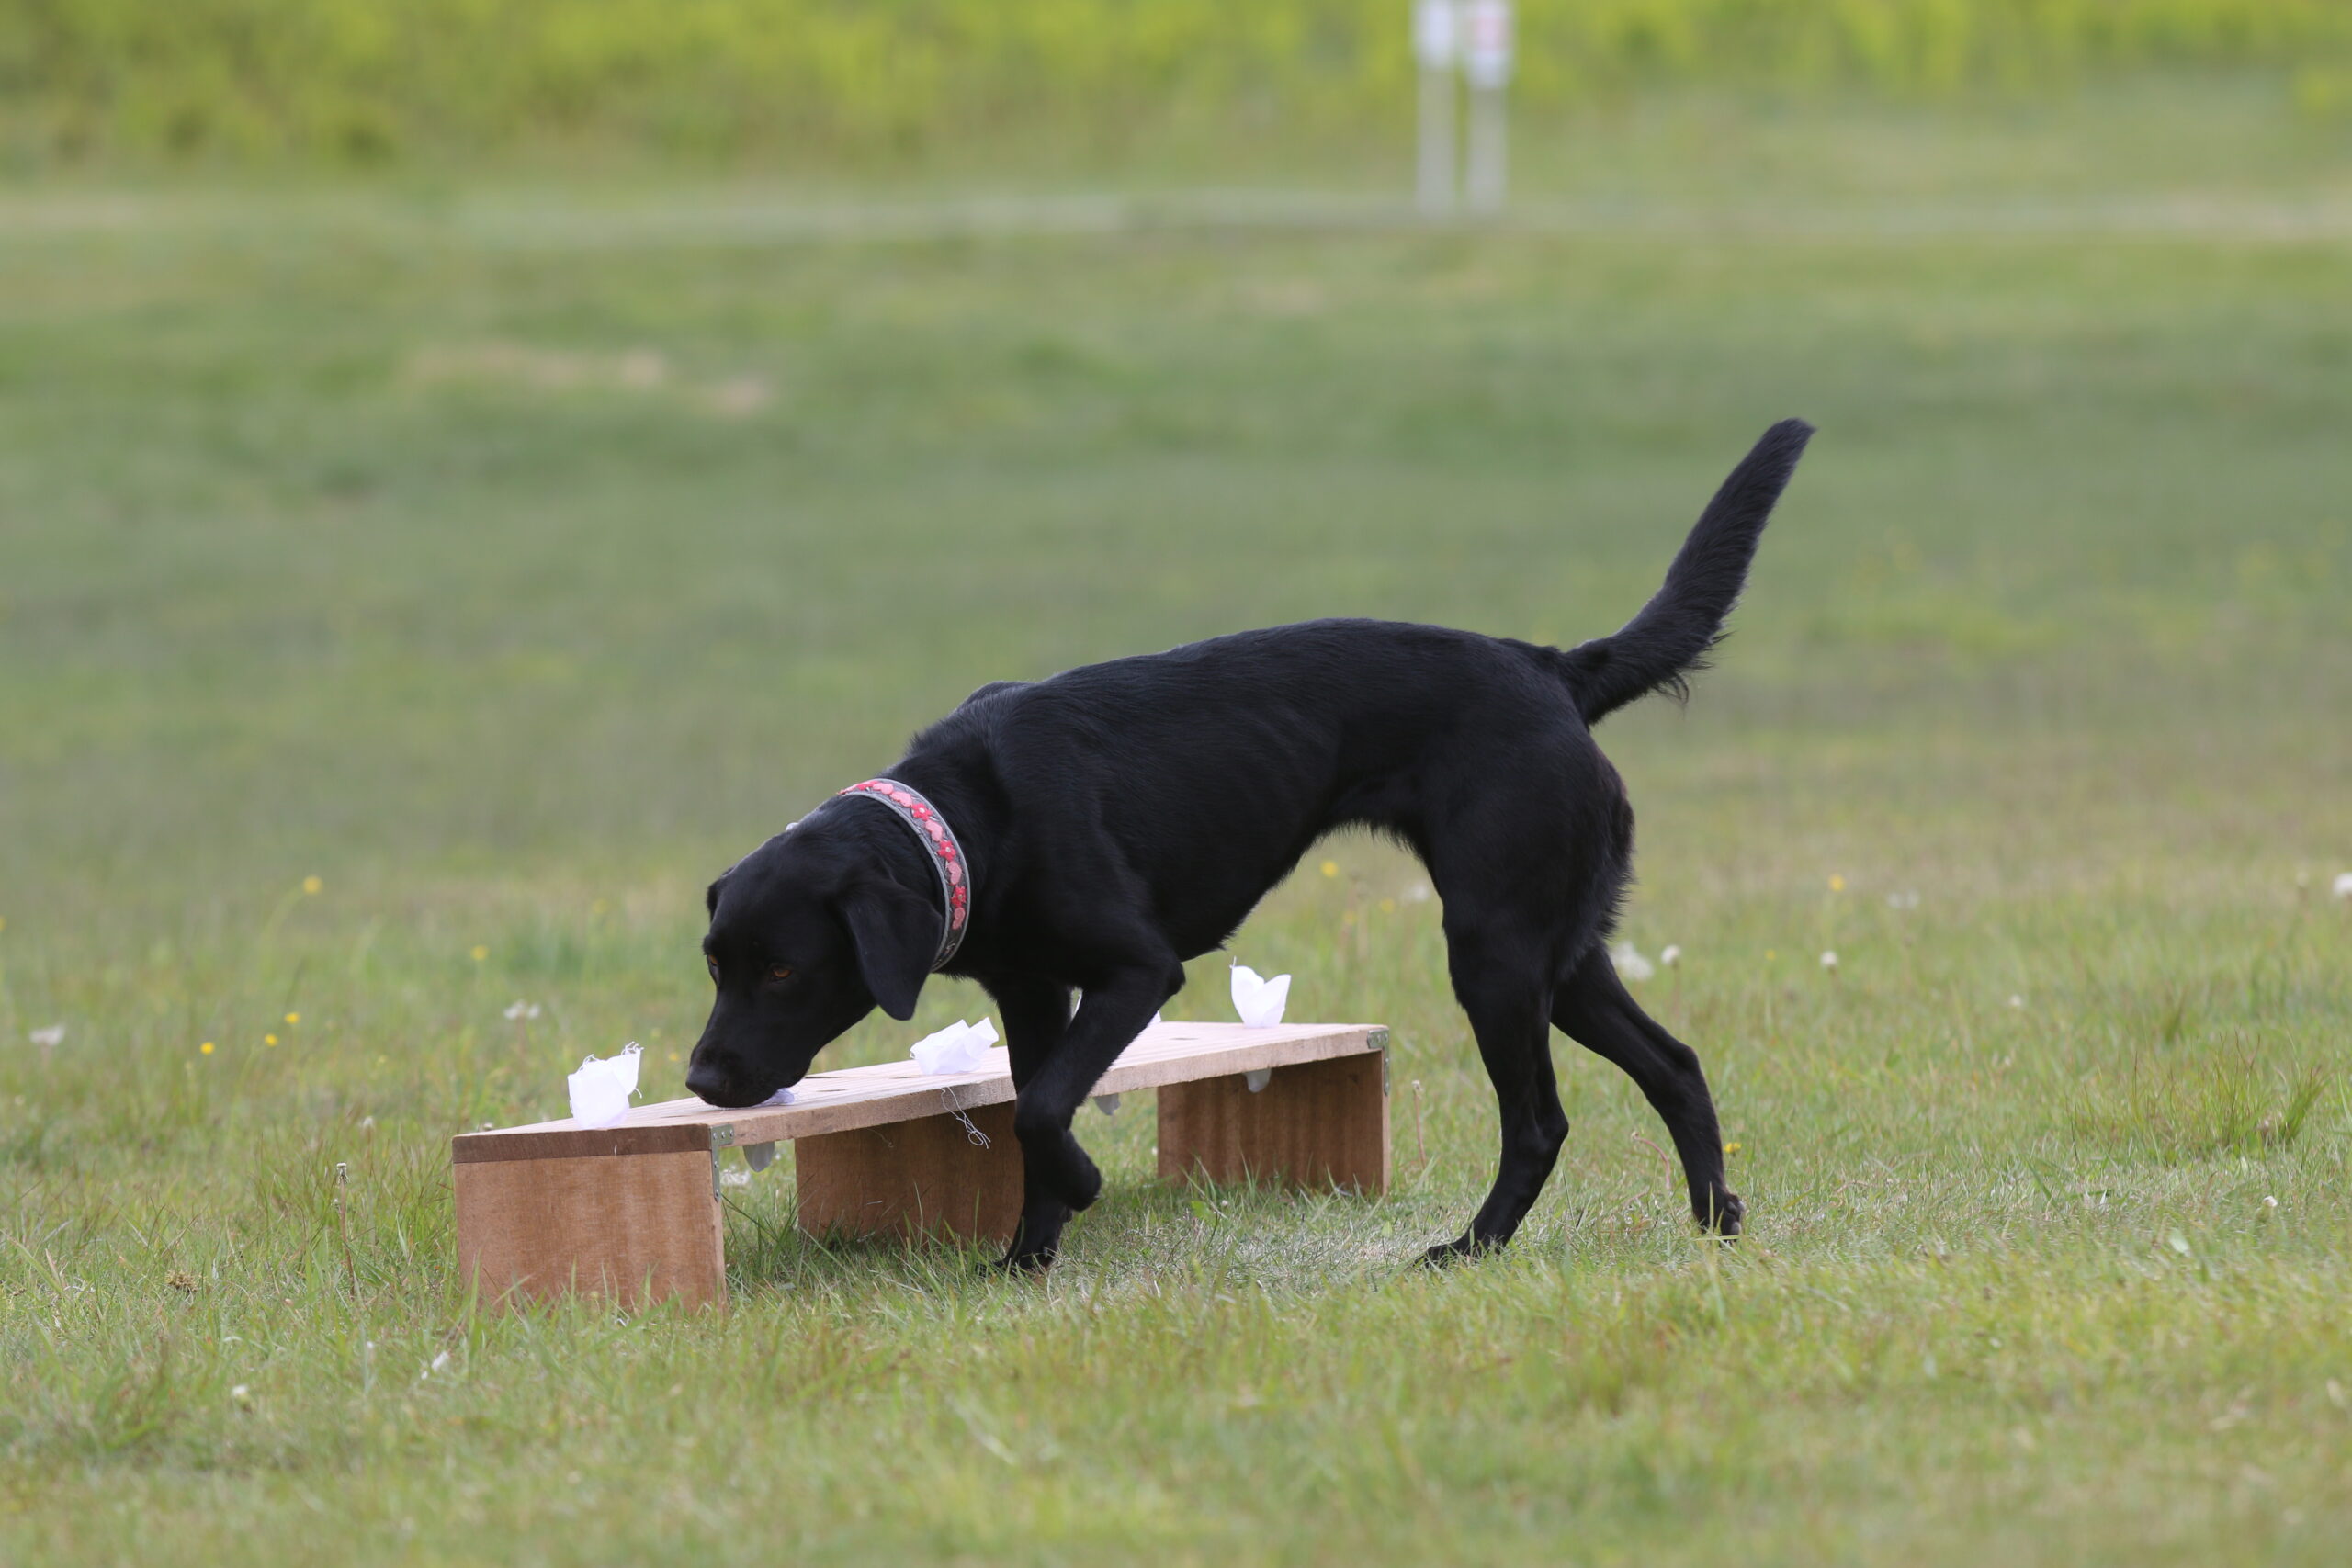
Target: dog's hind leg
(1501,989)
(1592,1006)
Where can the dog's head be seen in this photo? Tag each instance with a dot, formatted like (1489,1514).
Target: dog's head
(808,933)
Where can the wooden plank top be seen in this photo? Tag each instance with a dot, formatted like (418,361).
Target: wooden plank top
(851,1098)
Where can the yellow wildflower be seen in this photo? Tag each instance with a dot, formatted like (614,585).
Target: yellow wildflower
(206,1048)
(312,884)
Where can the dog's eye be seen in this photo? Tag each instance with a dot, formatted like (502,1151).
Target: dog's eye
(779,973)
(712,964)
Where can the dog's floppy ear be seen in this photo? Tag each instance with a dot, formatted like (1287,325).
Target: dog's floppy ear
(710,896)
(897,935)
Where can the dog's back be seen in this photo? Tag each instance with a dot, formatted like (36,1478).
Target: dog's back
(1226,758)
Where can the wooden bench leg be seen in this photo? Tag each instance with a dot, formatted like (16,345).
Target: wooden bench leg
(637,1227)
(1313,1125)
(927,1177)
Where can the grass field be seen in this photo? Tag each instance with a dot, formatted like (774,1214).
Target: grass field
(507,559)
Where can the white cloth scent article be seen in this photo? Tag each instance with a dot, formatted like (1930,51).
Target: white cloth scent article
(960,1047)
(1259,1001)
(600,1089)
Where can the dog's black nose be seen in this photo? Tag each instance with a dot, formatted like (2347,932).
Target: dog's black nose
(707,1083)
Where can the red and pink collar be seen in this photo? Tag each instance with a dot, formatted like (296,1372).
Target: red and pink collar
(947,857)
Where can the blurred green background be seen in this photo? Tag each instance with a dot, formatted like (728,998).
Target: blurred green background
(828,85)
(468,470)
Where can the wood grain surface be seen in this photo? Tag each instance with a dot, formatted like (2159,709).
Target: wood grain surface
(641,1229)
(1320,1124)
(924,1177)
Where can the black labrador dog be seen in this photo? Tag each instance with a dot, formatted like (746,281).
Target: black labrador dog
(1091,832)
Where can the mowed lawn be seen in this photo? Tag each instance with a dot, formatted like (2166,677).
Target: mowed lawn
(509,559)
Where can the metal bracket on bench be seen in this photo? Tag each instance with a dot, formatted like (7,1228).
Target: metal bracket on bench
(758,1157)
(1256,1078)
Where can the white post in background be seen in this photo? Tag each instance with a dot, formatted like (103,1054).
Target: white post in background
(1486,60)
(1437,44)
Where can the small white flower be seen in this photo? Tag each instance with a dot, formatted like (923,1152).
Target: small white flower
(731,1177)
(2268,1201)
(2016,1002)
(1671,956)
(1906,899)
(1630,963)
(1419,893)
(49,1039)
(1829,962)
(523,1010)
(242,1395)
(2342,886)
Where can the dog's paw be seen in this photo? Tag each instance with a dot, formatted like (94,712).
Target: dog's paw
(1026,1264)
(1037,1241)
(1460,1249)
(1071,1174)
(1057,1164)
(1721,1213)
(1082,1179)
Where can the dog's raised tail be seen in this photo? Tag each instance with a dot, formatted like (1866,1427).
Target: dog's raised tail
(1659,649)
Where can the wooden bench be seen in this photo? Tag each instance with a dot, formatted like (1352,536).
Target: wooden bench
(632,1210)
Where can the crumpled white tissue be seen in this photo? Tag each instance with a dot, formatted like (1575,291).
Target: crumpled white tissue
(781,1097)
(1260,1002)
(960,1047)
(600,1089)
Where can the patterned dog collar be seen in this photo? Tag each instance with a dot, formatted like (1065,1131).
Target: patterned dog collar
(947,857)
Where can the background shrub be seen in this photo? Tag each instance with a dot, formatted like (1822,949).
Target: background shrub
(820,81)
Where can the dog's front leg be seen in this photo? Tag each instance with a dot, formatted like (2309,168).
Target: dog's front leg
(1037,1015)
(1058,1177)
